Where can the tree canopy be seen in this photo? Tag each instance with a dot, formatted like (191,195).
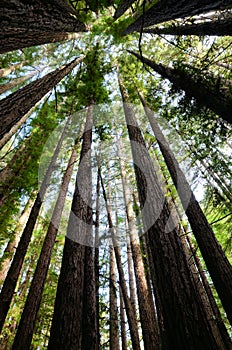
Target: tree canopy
(115,175)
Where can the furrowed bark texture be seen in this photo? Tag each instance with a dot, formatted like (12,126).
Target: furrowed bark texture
(146,310)
(189,329)
(131,316)
(66,330)
(218,265)
(18,16)
(26,326)
(10,282)
(123,8)
(16,105)
(19,41)
(114,329)
(220,27)
(171,9)
(217,101)
(13,83)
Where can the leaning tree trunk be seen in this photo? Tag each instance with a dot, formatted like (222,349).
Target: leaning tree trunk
(26,326)
(146,309)
(122,8)
(16,105)
(218,265)
(18,17)
(171,9)
(12,244)
(66,330)
(96,259)
(22,40)
(218,27)
(13,83)
(114,329)
(216,100)
(17,126)
(131,316)
(10,282)
(179,295)
(122,322)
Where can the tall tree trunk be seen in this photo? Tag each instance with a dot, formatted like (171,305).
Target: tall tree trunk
(216,100)
(16,105)
(163,12)
(132,287)
(18,17)
(16,82)
(96,259)
(146,310)
(16,127)
(10,282)
(218,265)
(122,8)
(179,296)
(122,322)
(18,41)
(26,326)
(66,330)
(12,244)
(220,334)
(131,316)
(218,27)
(114,330)
(148,262)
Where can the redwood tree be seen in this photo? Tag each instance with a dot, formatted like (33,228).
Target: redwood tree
(16,105)
(195,86)
(177,292)
(165,11)
(22,20)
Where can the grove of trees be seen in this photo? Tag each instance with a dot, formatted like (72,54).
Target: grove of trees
(115,175)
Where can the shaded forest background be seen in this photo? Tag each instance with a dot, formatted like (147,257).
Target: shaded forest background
(115,181)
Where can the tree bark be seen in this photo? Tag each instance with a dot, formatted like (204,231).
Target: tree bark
(10,282)
(18,41)
(163,12)
(16,105)
(96,259)
(13,83)
(18,16)
(220,27)
(122,322)
(66,330)
(217,101)
(122,8)
(131,316)
(12,244)
(189,329)
(218,265)
(114,330)
(26,326)
(146,308)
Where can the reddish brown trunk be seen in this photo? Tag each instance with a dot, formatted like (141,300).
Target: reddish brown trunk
(215,27)
(27,323)
(9,285)
(179,296)
(162,12)
(205,95)
(16,105)
(16,82)
(218,265)
(66,330)
(129,309)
